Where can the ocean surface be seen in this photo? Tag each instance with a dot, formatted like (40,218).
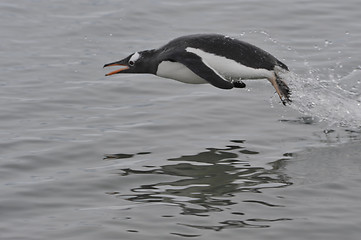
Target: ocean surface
(84,156)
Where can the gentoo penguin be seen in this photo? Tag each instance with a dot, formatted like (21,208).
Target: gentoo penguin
(208,58)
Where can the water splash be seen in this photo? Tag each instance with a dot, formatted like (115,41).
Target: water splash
(323,94)
(336,101)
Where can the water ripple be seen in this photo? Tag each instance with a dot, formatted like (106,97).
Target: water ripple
(207,183)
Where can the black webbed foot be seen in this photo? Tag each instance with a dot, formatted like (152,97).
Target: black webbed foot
(239,84)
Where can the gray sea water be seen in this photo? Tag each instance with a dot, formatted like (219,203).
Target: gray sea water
(84,156)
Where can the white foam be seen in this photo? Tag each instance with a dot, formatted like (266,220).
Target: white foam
(326,100)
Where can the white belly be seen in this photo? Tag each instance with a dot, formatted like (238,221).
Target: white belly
(227,68)
(179,72)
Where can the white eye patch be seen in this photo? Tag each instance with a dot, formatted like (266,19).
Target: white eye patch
(135,57)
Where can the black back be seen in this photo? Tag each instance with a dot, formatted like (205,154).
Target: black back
(239,51)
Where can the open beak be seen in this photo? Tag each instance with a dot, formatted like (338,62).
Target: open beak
(124,67)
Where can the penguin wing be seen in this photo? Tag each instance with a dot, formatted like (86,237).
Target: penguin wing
(196,64)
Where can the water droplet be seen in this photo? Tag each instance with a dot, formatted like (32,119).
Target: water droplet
(327,42)
(327,131)
(316,47)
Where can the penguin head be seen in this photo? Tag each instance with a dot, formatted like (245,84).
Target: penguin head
(138,62)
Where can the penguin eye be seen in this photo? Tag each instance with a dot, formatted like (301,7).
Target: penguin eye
(131,63)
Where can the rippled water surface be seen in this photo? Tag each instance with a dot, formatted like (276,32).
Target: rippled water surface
(84,156)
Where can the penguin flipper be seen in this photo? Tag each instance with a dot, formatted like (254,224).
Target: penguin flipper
(196,64)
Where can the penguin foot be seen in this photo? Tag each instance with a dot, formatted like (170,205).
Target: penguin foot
(239,84)
(285,91)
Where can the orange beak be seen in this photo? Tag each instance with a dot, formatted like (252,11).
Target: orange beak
(124,67)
